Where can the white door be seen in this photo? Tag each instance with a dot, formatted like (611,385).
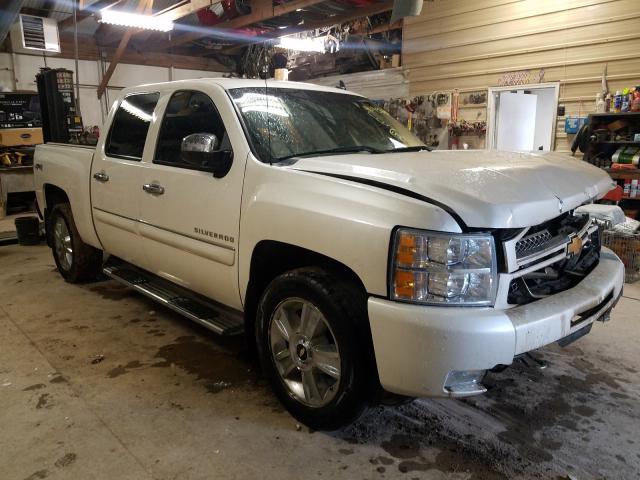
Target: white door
(116,178)
(516,121)
(189,218)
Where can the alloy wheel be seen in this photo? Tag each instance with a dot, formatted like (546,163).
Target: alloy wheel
(305,352)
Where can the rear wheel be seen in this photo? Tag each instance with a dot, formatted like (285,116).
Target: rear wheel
(76,261)
(310,340)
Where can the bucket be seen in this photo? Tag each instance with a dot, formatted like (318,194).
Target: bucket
(28,230)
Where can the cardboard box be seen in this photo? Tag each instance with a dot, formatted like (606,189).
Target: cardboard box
(14,137)
(390,62)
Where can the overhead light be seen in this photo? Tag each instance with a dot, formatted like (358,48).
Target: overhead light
(302,44)
(136,20)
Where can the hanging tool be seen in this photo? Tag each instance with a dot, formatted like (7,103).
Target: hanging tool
(5,159)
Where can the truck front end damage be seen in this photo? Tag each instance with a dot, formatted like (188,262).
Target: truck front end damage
(552,282)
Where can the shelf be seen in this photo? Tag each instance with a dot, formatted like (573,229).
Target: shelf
(623,174)
(473,105)
(615,114)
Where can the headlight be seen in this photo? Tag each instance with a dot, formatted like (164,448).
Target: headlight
(443,268)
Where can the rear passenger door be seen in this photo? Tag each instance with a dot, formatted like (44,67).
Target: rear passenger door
(190,220)
(116,177)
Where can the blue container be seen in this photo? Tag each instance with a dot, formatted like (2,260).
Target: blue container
(573,124)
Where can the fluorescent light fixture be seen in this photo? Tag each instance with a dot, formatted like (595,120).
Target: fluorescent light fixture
(135,111)
(257,102)
(302,44)
(136,20)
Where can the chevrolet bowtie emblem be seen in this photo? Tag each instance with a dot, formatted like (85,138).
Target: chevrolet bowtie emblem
(574,247)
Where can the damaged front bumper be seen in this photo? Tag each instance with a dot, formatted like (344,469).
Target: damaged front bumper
(424,351)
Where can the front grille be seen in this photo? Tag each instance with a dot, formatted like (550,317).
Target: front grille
(550,241)
(532,243)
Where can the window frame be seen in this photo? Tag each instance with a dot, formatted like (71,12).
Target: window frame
(111,127)
(186,166)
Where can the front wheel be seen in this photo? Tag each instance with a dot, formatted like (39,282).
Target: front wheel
(76,261)
(312,340)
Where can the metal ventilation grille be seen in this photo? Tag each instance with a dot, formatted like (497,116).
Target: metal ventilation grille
(33,31)
(532,243)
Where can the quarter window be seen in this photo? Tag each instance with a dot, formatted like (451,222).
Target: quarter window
(130,126)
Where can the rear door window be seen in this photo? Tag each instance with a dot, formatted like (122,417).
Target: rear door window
(130,126)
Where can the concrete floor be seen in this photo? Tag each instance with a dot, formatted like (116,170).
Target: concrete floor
(97,382)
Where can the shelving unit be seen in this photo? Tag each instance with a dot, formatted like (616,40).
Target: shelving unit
(620,174)
(600,150)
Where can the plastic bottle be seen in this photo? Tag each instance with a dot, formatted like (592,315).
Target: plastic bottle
(607,103)
(599,103)
(635,103)
(617,102)
(624,107)
(633,192)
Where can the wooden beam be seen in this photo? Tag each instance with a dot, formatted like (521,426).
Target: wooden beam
(185,9)
(261,10)
(292,6)
(86,12)
(142,5)
(89,50)
(385,28)
(353,14)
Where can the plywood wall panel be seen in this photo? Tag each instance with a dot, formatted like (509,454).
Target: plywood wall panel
(471,45)
(544,42)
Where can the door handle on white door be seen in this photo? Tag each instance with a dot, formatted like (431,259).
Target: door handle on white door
(153,188)
(101,176)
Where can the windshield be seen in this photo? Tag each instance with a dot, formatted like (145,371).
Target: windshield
(283,123)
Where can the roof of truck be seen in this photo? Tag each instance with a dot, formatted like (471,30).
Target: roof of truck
(230,83)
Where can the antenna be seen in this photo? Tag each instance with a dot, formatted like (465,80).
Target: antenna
(265,70)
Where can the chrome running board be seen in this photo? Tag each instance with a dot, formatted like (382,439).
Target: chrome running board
(211,315)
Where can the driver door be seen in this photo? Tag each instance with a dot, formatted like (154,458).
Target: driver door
(190,220)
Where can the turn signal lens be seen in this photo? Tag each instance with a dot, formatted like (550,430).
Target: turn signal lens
(404,284)
(409,285)
(406,249)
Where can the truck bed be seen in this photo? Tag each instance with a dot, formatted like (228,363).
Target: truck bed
(67,167)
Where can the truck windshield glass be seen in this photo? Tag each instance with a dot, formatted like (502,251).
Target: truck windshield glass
(284,123)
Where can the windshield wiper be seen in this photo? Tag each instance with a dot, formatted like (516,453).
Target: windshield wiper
(345,149)
(415,148)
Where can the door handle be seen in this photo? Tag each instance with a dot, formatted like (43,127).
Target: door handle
(153,188)
(101,176)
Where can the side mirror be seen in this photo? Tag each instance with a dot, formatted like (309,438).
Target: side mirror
(199,143)
(201,151)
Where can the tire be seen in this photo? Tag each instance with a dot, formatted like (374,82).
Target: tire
(338,310)
(76,261)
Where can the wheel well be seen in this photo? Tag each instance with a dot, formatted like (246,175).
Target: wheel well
(52,195)
(270,259)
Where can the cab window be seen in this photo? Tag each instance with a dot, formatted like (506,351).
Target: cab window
(188,112)
(130,126)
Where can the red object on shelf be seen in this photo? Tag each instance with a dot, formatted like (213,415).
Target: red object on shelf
(225,10)
(623,166)
(614,195)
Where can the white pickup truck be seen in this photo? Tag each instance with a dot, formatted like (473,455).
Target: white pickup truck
(357,261)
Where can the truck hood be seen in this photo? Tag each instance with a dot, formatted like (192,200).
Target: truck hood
(485,189)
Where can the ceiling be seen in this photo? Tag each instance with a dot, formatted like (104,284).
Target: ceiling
(225,31)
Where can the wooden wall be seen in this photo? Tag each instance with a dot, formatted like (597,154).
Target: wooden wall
(377,84)
(471,44)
